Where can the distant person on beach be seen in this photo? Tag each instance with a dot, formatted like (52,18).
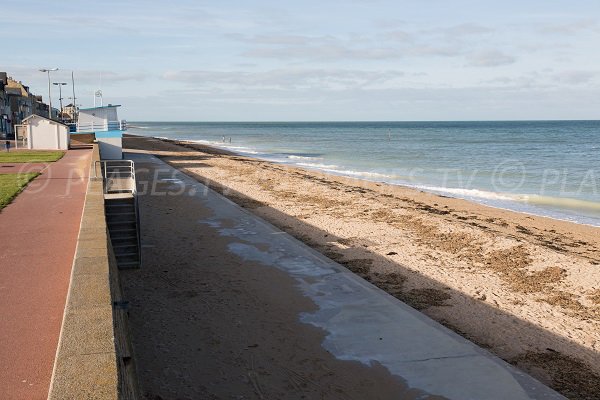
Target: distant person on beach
(223,139)
(229,140)
(7,146)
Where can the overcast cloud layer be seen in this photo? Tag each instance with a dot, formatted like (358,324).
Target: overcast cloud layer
(315,60)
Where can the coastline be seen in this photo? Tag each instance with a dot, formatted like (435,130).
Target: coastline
(525,287)
(515,178)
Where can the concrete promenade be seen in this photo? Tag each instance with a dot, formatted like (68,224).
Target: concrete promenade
(228,306)
(38,232)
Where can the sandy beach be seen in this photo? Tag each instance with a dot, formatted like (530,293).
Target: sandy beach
(526,288)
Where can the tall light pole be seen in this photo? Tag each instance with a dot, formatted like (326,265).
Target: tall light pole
(48,70)
(60,98)
(74,98)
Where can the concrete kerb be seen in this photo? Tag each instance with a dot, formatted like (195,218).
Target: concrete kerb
(89,359)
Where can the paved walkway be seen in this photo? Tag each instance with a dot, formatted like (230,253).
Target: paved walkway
(228,306)
(38,235)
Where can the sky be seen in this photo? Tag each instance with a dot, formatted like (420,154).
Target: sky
(328,60)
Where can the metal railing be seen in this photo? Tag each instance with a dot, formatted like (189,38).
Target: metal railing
(118,176)
(98,127)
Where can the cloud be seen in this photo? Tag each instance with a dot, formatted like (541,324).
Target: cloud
(400,36)
(533,80)
(326,47)
(545,79)
(85,79)
(440,51)
(490,58)
(407,103)
(284,79)
(576,77)
(570,28)
(384,45)
(460,30)
(325,52)
(391,45)
(276,39)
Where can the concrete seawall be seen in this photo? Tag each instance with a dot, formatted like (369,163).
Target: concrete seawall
(93,359)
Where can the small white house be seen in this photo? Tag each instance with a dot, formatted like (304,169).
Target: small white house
(46,134)
(104,122)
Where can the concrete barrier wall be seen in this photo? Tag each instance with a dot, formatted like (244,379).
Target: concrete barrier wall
(93,359)
(82,138)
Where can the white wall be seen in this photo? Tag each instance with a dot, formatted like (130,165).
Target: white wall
(111,148)
(43,134)
(99,117)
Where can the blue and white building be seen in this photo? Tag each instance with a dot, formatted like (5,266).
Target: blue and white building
(108,129)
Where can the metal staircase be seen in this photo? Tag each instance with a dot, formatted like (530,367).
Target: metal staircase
(121,210)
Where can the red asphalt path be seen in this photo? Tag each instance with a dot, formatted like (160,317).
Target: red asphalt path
(38,236)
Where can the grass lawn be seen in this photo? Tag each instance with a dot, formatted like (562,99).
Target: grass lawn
(30,156)
(12,184)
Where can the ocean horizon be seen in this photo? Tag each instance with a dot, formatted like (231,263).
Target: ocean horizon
(549,168)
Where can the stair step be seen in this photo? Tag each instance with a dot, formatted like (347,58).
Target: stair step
(122,242)
(122,230)
(122,239)
(133,237)
(119,205)
(127,255)
(130,254)
(118,240)
(129,264)
(120,211)
(123,246)
(121,222)
(120,214)
(123,200)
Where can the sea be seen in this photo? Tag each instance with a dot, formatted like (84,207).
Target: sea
(547,168)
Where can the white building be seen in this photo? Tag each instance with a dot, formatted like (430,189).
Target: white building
(105,124)
(45,134)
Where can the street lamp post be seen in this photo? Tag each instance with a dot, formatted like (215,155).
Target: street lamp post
(74,98)
(60,98)
(48,70)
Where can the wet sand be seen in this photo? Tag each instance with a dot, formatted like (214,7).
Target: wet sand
(526,288)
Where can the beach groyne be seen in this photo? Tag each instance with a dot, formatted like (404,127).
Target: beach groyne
(94,359)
